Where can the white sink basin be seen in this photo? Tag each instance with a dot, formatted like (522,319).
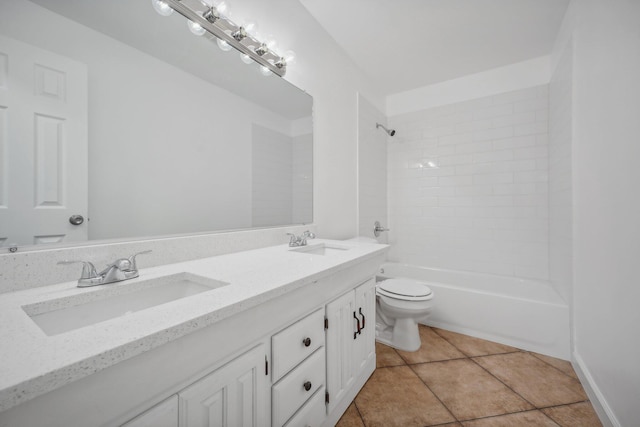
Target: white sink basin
(320,249)
(67,314)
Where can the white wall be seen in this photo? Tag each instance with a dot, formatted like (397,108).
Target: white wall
(605,37)
(533,72)
(560,183)
(372,169)
(468,185)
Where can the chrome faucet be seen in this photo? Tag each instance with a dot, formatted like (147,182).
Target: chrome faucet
(119,270)
(301,240)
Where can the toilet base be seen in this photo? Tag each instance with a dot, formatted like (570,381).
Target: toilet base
(403,335)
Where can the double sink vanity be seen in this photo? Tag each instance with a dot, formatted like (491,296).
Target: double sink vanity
(267,337)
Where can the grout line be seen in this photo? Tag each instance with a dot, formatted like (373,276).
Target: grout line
(358,411)
(512,413)
(434,393)
(469,355)
(506,385)
(554,367)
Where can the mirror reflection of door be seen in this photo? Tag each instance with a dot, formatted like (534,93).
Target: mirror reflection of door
(43,145)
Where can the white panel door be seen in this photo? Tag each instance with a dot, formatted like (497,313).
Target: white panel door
(43,145)
(340,337)
(235,395)
(365,344)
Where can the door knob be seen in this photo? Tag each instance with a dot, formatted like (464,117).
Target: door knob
(306,342)
(76,219)
(307,385)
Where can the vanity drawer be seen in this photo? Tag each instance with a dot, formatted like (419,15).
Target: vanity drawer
(295,343)
(290,393)
(312,414)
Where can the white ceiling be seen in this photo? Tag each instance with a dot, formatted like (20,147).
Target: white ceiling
(406,44)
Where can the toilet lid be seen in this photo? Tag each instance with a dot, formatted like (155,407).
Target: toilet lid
(404,289)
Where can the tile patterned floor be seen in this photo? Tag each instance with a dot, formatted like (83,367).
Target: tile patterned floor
(458,380)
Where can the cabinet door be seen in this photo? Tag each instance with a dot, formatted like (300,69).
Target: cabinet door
(340,337)
(232,396)
(164,414)
(365,344)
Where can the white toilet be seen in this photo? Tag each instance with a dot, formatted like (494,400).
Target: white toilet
(400,304)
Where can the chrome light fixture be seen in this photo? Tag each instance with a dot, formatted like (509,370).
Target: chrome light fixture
(202,16)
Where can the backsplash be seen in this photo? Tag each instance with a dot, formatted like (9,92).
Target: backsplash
(468,185)
(30,269)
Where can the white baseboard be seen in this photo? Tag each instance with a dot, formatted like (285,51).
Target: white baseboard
(600,404)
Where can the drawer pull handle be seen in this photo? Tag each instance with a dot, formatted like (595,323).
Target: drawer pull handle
(359,328)
(361,314)
(306,342)
(307,385)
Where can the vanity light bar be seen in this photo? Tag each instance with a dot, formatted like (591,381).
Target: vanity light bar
(235,35)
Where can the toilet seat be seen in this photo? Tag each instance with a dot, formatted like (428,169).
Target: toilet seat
(404,289)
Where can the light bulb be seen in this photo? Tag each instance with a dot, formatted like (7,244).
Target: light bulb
(290,57)
(162,7)
(265,71)
(246,58)
(195,28)
(271,43)
(223,45)
(222,8)
(251,27)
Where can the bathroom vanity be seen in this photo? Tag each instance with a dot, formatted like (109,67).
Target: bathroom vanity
(268,337)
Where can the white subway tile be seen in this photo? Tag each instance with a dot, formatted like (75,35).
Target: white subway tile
(474,147)
(455,201)
(493,178)
(514,119)
(499,133)
(473,126)
(493,111)
(455,180)
(515,142)
(488,194)
(530,105)
(493,156)
(474,190)
(457,138)
(437,132)
(531,152)
(530,129)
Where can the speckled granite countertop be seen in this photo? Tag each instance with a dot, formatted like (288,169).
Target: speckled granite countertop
(33,363)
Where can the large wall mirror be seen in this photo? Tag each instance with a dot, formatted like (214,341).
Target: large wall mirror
(113,113)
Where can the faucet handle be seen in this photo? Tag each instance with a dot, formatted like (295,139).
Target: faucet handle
(293,239)
(132,259)
(88,269)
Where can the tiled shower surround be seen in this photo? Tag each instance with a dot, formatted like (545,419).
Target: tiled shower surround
(468,185)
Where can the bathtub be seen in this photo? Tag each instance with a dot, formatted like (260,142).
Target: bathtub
(527,314)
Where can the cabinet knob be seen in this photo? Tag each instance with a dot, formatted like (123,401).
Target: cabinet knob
(306,342)
(307,385)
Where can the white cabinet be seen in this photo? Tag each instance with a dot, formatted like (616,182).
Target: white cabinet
(366,311)
(291,393)
(234,395)
(350,339)
(164,414)
(312,414)
(297,342)
(299,372)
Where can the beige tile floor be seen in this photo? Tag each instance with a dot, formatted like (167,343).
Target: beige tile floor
(458,380)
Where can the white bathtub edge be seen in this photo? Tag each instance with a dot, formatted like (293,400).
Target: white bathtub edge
(539,324)
(600,404)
